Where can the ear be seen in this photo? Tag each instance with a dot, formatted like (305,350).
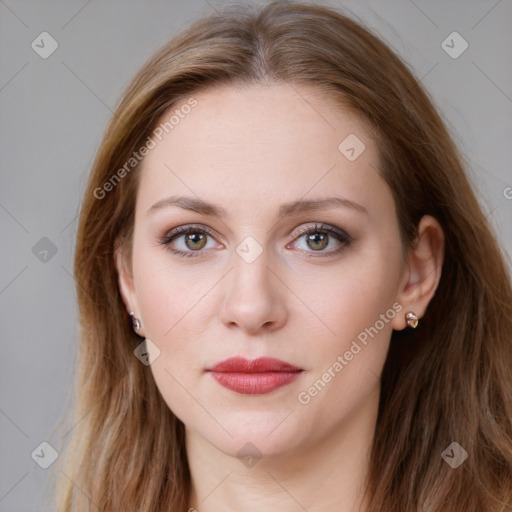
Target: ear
(125,277)
(423,270)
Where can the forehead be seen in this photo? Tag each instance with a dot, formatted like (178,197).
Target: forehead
(261,143)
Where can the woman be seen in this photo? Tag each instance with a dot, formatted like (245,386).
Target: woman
(289,295)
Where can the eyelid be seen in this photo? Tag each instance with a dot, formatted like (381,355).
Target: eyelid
(321,227)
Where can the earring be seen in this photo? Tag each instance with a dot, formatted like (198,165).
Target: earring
(412,319)
(135,321)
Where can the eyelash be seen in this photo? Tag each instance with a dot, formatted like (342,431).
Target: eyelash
(339,235)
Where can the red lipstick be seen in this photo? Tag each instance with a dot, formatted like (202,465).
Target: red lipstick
(254,376)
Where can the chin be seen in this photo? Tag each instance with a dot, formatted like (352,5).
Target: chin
(258,434)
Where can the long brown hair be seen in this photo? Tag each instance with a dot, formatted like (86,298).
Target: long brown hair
(448,381)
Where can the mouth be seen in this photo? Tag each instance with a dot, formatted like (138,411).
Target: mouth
(254,376)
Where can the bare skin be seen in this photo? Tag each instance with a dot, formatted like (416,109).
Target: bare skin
(301,300)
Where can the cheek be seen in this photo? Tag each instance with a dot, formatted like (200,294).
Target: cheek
(346,365)
(172,305)
(358,306)
(355,297)
(168,294)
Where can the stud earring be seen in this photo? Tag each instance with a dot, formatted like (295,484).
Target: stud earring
(135,321)
(412,319)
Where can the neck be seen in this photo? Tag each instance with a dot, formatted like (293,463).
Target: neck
(329,475)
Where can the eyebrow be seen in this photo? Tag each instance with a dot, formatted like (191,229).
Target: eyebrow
(302,205)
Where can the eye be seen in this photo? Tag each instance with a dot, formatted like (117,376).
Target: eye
(319,237)
(194,239)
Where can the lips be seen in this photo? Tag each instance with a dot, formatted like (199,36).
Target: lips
(254,376)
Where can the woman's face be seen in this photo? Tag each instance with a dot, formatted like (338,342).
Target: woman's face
(247,281)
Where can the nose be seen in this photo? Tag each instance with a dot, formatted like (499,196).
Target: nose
(254,297)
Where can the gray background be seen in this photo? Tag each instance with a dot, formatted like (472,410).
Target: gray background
(53,114)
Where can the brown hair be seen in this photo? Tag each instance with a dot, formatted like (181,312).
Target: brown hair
(449,380)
